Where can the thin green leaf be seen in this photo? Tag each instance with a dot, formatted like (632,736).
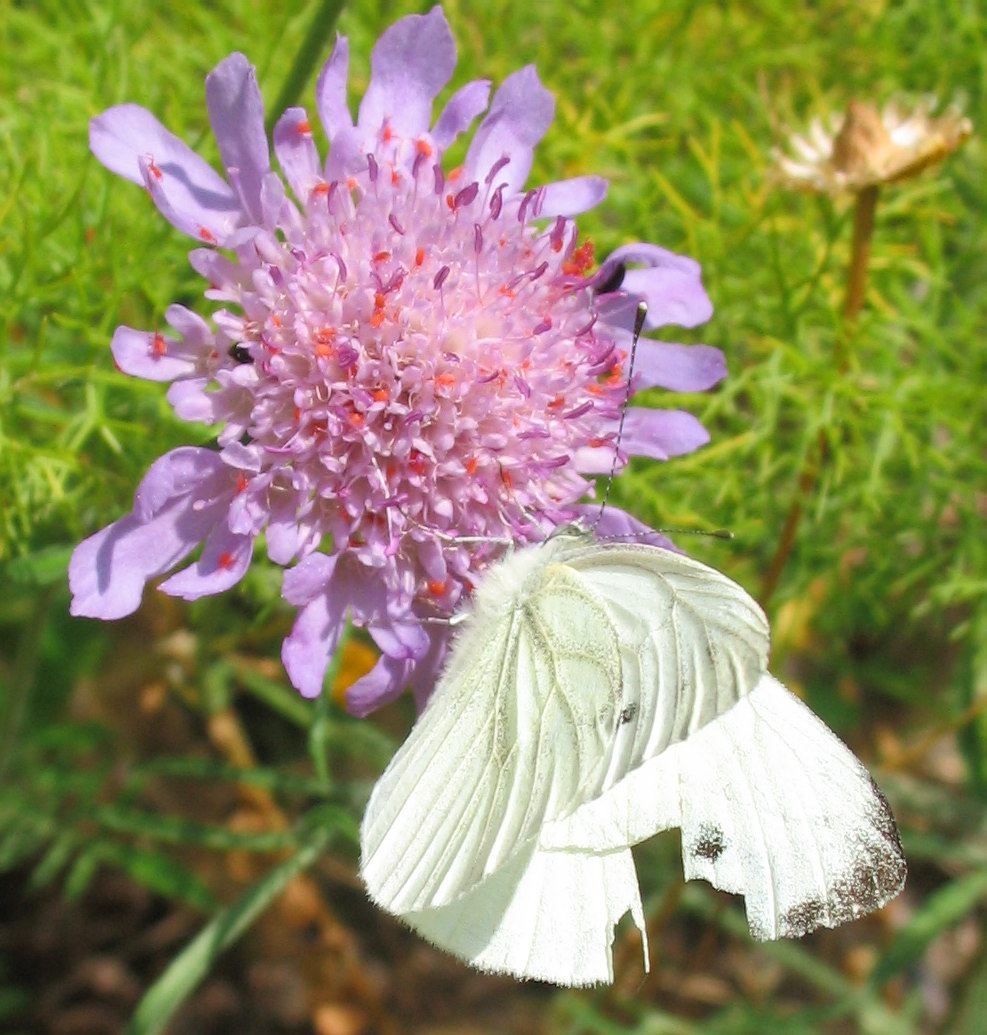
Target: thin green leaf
(178,830)
(157,872)
(188,969)
(320,732)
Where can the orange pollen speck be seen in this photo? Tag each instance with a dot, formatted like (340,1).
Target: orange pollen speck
(379,300)
(321,188)
(387,134)
(159,346)
(357,419)
(594,389)
(207,235)
(275,321)
(382,256)
(423,147)
(557,403)
(155,171)
(446,380)
(395,177)
(303,128)
(450,201)
(455,174)
(381,395)
(351,183)
(582,259)
(437,589)
(505,291)
(241,482)
(471,465)
(323,349)
(226,561)
(597,442)
(377,319)
(419,256)
(296,415)
(506,478)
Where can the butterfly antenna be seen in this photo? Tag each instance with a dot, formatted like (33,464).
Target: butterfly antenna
(713,533)
(642,312)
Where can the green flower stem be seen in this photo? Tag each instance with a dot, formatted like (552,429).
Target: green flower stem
(309,54)
(853,303)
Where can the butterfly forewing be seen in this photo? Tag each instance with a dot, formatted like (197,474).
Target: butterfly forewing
(519,725)
(692,643)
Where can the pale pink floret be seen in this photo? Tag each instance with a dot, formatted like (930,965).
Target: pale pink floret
(406,354)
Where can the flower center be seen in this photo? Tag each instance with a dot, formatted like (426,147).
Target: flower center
(425,364)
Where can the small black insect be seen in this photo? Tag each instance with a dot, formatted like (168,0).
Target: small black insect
(614,281)
(240,354)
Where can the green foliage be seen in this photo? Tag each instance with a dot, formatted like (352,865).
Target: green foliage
(880,614)
(222,931)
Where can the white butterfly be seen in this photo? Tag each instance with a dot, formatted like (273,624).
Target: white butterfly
(596,694)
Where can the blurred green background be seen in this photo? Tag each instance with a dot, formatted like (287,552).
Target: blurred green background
(158,770)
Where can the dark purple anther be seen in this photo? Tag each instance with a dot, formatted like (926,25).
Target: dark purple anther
(538,271)
(578,411)
(372,168)
(440,277)
(553,461)
(340,264)
(466,196)
(495,168)
(522,386)
(497,203)
(522,211)
(440,178)
(557,236)
(398,228)
(397,279)
(477,238)
(545,325)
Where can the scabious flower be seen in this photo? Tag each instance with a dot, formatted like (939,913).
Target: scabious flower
(867,148)
(408,366)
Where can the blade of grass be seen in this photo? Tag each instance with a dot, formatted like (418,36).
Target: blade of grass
(188,969)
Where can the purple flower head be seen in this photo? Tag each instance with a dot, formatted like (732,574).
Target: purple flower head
(407,363)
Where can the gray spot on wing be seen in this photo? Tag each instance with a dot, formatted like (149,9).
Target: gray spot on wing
(628,713)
